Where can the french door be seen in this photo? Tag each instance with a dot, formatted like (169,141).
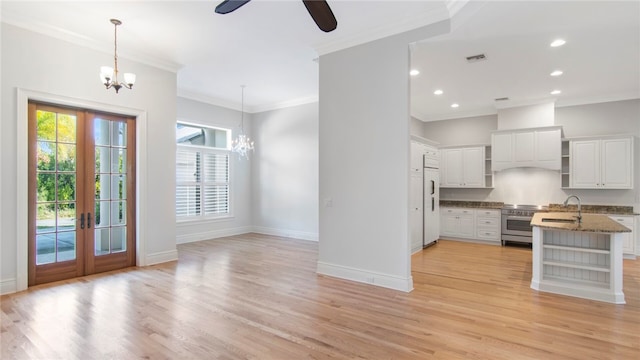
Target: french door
(81,192)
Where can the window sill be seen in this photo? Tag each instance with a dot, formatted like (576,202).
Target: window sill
(204,220)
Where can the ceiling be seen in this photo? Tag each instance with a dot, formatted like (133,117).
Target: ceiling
(272,47)
(267,45)
(600,60)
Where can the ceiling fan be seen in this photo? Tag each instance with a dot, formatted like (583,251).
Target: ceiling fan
(318,9)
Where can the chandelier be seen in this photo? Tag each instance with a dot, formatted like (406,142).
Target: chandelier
(109,75)
(242,144)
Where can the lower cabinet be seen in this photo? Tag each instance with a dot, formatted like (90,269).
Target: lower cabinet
(488,223)
(628,243)
(470,224)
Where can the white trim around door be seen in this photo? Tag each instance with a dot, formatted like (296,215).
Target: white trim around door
(23,97)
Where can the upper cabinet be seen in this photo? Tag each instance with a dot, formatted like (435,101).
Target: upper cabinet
(540,147)
(605,163)
(462,167)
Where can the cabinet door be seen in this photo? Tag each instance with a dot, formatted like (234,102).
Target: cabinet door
(501,151)
(523,148)
(466,226)
(416,229)
(417,155)
(473,167)
(416,210)
(448,222)
(451,171)
(616,163)
(548,149)
(585,164)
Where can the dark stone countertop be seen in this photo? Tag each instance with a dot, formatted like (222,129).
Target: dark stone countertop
(472,204)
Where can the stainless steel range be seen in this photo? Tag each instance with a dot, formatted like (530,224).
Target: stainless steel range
(516,222)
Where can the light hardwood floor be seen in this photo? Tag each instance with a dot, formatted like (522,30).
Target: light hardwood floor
(258,297)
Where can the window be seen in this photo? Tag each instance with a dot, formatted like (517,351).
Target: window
(202,172)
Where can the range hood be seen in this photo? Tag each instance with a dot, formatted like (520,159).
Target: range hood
(527,137)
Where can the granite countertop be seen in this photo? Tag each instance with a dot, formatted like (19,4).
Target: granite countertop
(472,204)
(590,222)
(594,209)
(586,209)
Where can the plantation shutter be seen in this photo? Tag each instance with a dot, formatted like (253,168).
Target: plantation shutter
(202,182)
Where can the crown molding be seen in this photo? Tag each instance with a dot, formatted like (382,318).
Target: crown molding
(22,22)
(631,95)
(286,104)
(211,100)
(454,115)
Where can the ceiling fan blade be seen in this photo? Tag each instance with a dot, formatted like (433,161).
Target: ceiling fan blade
(321,14)
(228,6)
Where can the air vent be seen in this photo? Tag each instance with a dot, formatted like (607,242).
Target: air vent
(476,58)
(502,99)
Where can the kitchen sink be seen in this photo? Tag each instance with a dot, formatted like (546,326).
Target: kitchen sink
(559,220)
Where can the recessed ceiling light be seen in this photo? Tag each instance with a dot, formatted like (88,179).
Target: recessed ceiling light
(557,42)
(438,92)
(556,73)
(414,72)
(454,105)
(555,92)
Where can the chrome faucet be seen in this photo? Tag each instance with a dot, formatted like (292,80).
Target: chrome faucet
(566,202)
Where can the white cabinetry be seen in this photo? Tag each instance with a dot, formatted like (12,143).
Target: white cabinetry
(457,222)
(471,224)
(462,167)
(602,163)
(416,209)
(539,147)
(488,223)
(628,239)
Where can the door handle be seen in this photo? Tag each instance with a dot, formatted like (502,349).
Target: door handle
(88,220)
(433,187)
(433,204)
(81,221)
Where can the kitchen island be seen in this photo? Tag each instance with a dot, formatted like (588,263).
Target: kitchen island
(578,258)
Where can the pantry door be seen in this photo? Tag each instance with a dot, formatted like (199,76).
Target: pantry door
(81,191)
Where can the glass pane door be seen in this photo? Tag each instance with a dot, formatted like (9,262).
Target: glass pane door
(81,193)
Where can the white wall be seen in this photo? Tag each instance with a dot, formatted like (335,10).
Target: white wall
(285,172)
(240,222)
(523,117)
(45,65)
(364,157)
(465,131)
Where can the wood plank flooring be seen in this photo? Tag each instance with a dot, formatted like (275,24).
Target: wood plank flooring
(258,297)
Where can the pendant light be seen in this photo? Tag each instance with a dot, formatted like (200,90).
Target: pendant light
(242,144)
(109,75)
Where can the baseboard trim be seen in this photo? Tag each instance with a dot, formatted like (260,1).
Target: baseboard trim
(302,235)
(365,276)
(213,234)
(161,257)
(8,286)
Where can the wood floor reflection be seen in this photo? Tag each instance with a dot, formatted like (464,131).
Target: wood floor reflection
(258,297)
